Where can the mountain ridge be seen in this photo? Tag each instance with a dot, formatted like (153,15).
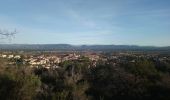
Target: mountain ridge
(70,47)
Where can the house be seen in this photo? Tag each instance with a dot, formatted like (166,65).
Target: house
(17,57)
(4,56)
(10,56)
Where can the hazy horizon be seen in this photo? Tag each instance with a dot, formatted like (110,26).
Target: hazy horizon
(81,44)
(90,22)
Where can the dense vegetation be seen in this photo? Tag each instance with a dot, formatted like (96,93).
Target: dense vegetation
(142,80)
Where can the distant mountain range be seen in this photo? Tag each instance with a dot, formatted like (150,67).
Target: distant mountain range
(68,47)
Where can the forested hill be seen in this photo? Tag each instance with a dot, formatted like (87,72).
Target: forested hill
(68,47)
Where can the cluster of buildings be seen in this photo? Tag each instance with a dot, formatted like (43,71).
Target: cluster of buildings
(132,57)
(10,56)
(49,60)
(52,60)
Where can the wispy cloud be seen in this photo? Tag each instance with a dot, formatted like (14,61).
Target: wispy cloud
(82,19)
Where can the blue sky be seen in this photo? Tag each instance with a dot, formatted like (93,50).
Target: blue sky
(120,22)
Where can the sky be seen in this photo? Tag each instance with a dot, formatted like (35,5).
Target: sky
(118,22)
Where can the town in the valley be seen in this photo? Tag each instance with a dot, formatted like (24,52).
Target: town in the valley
(53,59)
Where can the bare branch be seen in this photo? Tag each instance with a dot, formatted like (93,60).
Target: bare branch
(5,34)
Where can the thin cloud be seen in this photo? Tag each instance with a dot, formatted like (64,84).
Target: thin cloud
(82,19)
